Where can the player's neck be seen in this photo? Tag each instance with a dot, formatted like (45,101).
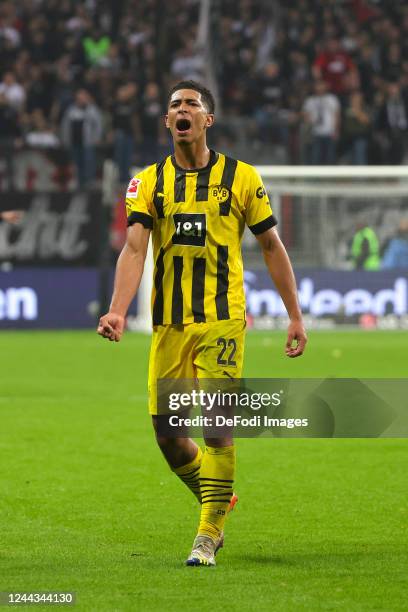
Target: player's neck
(193,156)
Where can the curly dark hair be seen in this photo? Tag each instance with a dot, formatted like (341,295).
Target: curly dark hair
(206,94)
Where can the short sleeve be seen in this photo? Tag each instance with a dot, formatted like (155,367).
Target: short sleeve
(138,202)
(258,211)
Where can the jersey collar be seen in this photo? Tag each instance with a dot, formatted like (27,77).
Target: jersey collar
(213,159)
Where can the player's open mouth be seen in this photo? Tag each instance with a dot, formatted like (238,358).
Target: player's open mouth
(183,125)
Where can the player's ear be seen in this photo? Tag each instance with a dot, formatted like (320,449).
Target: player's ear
(209,120)
(166,121)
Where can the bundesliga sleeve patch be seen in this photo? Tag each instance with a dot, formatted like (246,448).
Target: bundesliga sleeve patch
(133,188)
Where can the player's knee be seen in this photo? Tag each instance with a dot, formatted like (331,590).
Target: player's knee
(163,441)
(169,444)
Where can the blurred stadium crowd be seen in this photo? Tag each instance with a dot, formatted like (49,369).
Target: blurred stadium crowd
(310,81)
(328,80)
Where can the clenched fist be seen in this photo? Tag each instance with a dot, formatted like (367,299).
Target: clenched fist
(111,326)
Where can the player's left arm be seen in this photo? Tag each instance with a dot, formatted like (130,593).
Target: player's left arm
(261,221)
(281,271)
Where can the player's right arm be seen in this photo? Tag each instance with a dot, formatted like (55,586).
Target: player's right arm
(129,270)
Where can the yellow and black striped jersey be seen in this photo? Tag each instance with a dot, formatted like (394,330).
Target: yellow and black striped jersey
(197,218)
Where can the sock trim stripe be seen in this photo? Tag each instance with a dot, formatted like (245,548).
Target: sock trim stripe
(191,472)
(217,479)
(226,491)
(217,491)
(210,487)
(216,501)
(216,495)
(189,479)
(192,484)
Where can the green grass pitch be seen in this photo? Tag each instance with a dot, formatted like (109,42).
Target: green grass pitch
(89,505)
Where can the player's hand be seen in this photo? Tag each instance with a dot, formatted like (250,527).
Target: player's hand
(111,326)
(297,334)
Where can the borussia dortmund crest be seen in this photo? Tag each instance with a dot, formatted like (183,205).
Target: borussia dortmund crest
(220,193)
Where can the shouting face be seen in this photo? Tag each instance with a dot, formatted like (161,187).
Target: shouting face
(187,116)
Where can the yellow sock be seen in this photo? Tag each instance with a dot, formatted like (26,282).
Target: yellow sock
(216,480)
(190,474)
